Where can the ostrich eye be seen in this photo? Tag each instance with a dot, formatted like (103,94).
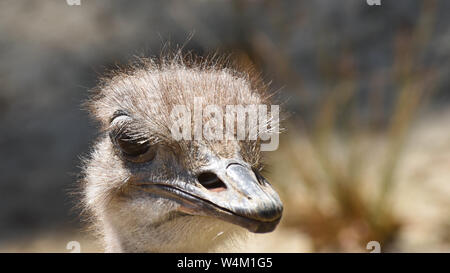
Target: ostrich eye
(135,150)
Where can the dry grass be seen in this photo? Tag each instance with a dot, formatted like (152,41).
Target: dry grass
(348,159)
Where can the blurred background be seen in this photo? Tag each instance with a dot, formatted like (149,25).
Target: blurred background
(366,151)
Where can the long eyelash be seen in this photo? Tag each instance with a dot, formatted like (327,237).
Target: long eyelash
(133,130)
(120,126)
(132,135)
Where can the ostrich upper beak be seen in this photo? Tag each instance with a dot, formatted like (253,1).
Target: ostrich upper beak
(250,200)
(230,191)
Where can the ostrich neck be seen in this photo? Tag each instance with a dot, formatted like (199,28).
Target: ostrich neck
(163,238)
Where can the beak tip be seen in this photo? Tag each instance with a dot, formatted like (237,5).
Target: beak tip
(267,219)
(265,227)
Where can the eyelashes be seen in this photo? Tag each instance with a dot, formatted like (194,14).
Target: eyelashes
(134,149)
(132,145)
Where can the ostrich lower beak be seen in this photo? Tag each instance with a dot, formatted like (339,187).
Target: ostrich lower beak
(245,198)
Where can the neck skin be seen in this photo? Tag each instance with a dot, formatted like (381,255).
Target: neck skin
(182,234)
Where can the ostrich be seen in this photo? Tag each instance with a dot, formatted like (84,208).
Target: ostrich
(144,191)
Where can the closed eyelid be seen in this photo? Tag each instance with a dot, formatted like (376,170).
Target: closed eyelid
(118,113)
(126,126)
(121,122)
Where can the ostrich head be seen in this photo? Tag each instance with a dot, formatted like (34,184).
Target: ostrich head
(147,191)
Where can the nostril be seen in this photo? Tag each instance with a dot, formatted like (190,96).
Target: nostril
(210,181)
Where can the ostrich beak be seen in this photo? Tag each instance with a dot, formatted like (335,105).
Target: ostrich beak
(250,200)
(227,190)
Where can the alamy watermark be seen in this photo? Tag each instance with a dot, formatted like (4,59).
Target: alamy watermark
(375,246)
(74,247)
(373,2)
(238,122)
(73,2)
